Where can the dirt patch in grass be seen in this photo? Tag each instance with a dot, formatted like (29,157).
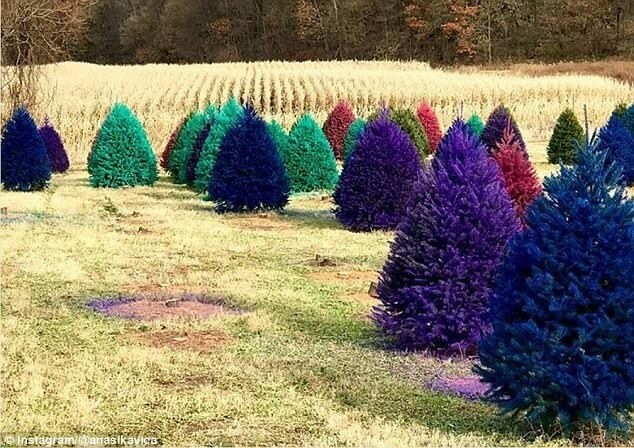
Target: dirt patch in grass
(152,310)
(344,276)
(162,306)
(157,288)
(261,222)
(202,341)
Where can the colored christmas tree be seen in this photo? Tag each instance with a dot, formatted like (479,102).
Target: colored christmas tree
(309,160)
(337,125)
(248,173)
(378,179)
(122,154)
(445,259)
(431,125)
(495,126)
(25,163)
(54,148)
(562,312)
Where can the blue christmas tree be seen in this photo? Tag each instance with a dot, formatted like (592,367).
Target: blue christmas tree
(25,165)
(562,346)
(617,140)
(248,173)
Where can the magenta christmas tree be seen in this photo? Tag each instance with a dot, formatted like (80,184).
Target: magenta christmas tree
(445,258)
(378,178)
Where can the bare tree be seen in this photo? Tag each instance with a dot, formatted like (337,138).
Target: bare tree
(36,32)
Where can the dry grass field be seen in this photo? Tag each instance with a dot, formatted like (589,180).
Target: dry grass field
(301,364)
(77,96)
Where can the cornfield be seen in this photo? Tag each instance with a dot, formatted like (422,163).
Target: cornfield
(77,96)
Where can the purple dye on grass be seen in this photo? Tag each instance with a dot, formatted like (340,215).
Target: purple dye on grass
(469,387)
(112,306)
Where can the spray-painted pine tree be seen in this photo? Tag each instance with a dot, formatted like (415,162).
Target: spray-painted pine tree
(54,148)
(495,126)
(352,137)
(616,139)
(444,261)
(309,160)
(122,155)
(25,163)
(230,113)
(520,178)
(378,178)
(248,173)
(337,125)
(169,146)
(563,309)
(431,125)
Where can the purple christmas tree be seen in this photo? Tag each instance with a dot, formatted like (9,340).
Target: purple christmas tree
(378,178)
(54,148)
(445,258)
(498,121)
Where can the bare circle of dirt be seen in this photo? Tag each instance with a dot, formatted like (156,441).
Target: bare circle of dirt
(200,341)
(162,306)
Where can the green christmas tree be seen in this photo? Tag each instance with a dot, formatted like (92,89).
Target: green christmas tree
(352,137)
(476,124)
(229,114)
(562,147)
(406,119)
(279,136)
(310,162)
(184,146)
(122,154)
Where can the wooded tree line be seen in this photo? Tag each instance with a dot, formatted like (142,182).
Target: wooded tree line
(438,31)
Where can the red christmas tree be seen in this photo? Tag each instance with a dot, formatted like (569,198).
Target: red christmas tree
(430,122)
(337,125)
(165,156)
(520,178)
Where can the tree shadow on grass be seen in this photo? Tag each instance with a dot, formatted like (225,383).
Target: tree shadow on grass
(315,219)
(380,392)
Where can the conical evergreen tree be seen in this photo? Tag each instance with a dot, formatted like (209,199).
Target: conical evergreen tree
(352,137)
(520,178)
(279,136)
(248,173)
(431,125)
(24,163)
(475,124)
(184,147)
(229,114)
(309,160)
(562,312)
(493,131)
(337,125)
(378,178)
(184,143)
(406,119)
(625,114)
(563,144)
(447,252)
(122,154)
(618,142)
(54,148)
(167,152)
(194,157)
